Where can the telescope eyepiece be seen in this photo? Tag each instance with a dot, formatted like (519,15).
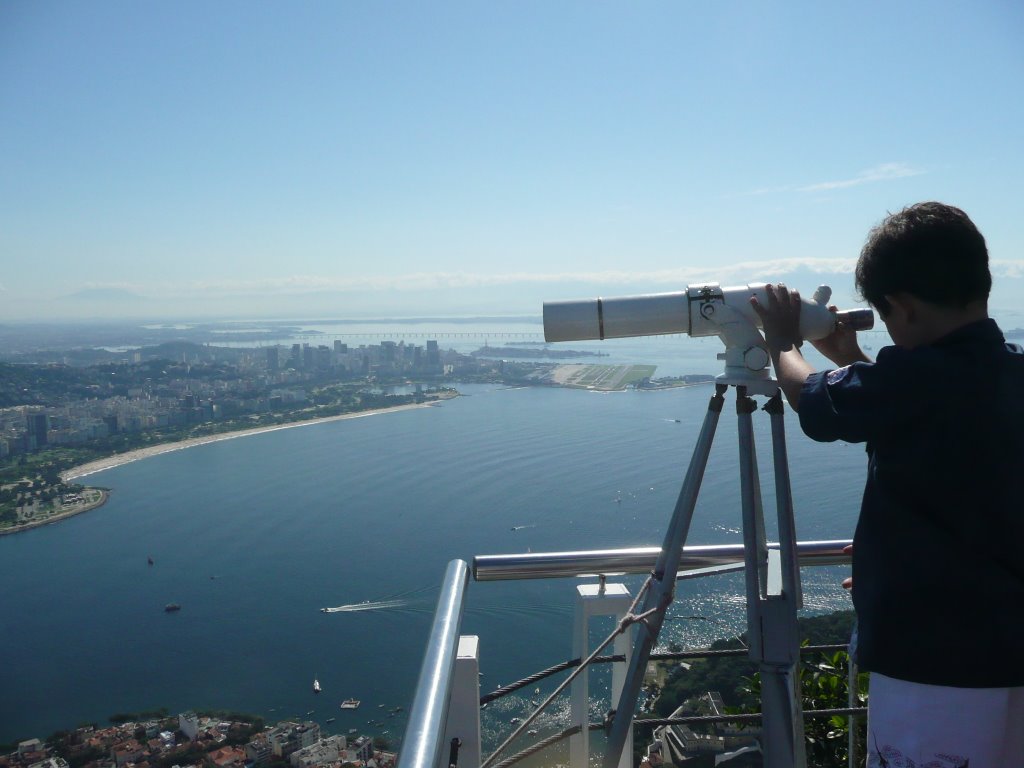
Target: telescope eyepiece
(857,319)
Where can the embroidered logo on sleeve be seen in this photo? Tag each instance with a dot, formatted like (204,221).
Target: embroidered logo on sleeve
(834,377)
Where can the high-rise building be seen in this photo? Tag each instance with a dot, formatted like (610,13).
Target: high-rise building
(323,357)
(38,425)
(433,354)
(273,358)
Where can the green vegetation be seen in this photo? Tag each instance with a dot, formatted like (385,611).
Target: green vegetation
(823,679)
(40,497)
(22,384)
(728,675)
(824,684)
(120,718)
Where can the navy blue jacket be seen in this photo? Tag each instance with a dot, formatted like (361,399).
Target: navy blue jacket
(938,562)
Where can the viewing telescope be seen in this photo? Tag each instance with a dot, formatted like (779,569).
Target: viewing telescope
(706,309)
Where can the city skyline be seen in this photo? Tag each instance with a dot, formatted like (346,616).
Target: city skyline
(337,160)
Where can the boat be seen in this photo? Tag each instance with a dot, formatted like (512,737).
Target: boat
(172,607)
(350,704)
(316,685)
(329,720)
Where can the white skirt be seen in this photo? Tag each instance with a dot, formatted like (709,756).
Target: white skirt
(912,725)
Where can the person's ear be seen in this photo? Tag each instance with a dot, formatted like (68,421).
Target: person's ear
(904,304)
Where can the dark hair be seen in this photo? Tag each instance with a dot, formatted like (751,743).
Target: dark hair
(930,250)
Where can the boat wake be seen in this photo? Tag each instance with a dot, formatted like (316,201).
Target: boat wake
(408,599)
(366,605)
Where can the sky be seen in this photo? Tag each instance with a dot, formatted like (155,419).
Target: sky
(194,160)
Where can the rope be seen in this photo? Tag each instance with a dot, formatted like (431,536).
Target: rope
(627,621)
(659,656)
(544,744)
(658,722)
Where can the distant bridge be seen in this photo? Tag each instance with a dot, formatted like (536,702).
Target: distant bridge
(399,336)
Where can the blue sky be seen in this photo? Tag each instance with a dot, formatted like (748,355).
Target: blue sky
(352,159)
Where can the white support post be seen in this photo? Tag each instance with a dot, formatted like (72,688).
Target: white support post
(463,720)
(594,600)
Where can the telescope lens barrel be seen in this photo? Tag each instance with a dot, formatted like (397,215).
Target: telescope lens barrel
(667,313)
(857,319)
(616,318)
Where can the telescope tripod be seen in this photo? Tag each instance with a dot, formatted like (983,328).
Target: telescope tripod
(772,586)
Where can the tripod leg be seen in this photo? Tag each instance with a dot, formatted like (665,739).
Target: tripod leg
(662,586)
(755,545)
(772,595)
(784,504)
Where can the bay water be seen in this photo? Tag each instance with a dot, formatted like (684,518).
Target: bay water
(254,536)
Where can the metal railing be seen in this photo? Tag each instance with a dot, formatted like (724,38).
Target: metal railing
(424,735)
(557,565)
(424,745)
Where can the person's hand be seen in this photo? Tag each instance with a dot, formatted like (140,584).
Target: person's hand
(841,345)
(848,581)
(780,317)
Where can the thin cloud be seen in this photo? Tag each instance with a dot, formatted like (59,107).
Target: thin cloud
(671,279)
(424,281)
(1012,269)
(883,172)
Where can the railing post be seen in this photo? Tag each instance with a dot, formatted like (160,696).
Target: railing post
(596,600)
(852,697)
(464,708)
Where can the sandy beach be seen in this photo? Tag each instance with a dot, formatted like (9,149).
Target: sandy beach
(155,450)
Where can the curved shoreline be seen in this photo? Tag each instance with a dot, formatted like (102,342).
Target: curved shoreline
(104,495)
(137,454)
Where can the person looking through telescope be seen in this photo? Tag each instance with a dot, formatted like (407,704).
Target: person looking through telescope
(938,556)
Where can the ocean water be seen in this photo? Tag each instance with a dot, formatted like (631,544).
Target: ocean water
(252,537)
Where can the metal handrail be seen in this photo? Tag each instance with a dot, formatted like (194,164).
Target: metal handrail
(422,747)
(424,741)
(555,565)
